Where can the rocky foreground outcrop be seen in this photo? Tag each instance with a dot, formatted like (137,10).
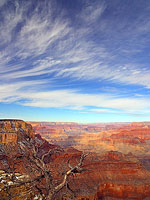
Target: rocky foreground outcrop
(111,175)
(11,131)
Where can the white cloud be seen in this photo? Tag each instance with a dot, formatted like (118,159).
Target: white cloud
(11,19)
(10,92)
(94,70)
(92,12)
(38,34)
(64,46)
(71,99)
(117,112)
(30,94)
(67,51)
(147,87)
(105,104)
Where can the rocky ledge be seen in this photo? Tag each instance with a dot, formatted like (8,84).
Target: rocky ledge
(12,130)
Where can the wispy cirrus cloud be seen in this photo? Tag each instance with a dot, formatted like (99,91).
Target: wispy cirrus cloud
(25,93)
(42,34)
(78,57)
(91,12)
(40,43)
(38,34)
(118,113)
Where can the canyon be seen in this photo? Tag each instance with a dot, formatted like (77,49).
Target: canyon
(102,137)
(117,165)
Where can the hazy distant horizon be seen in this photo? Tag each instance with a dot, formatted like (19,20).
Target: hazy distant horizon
(77,122)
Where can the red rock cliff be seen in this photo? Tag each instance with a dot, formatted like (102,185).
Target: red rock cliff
(11,130)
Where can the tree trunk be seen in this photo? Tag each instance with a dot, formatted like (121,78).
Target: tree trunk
(50,196)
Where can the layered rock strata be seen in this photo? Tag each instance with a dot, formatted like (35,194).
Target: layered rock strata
(11,130)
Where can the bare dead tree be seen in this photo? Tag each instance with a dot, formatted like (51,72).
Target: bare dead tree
(72,170)
(43,172)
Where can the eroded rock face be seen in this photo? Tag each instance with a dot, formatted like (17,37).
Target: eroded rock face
(111,175)
(11,130)
(123,191)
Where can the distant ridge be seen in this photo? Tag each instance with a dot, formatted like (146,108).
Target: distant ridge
(11,120)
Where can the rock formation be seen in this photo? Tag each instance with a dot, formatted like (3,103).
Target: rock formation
(110,175)
(11,130)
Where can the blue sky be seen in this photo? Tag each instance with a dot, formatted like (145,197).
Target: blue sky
(75,60)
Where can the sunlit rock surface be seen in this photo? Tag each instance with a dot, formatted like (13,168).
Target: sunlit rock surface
(108,174)
(11,130)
